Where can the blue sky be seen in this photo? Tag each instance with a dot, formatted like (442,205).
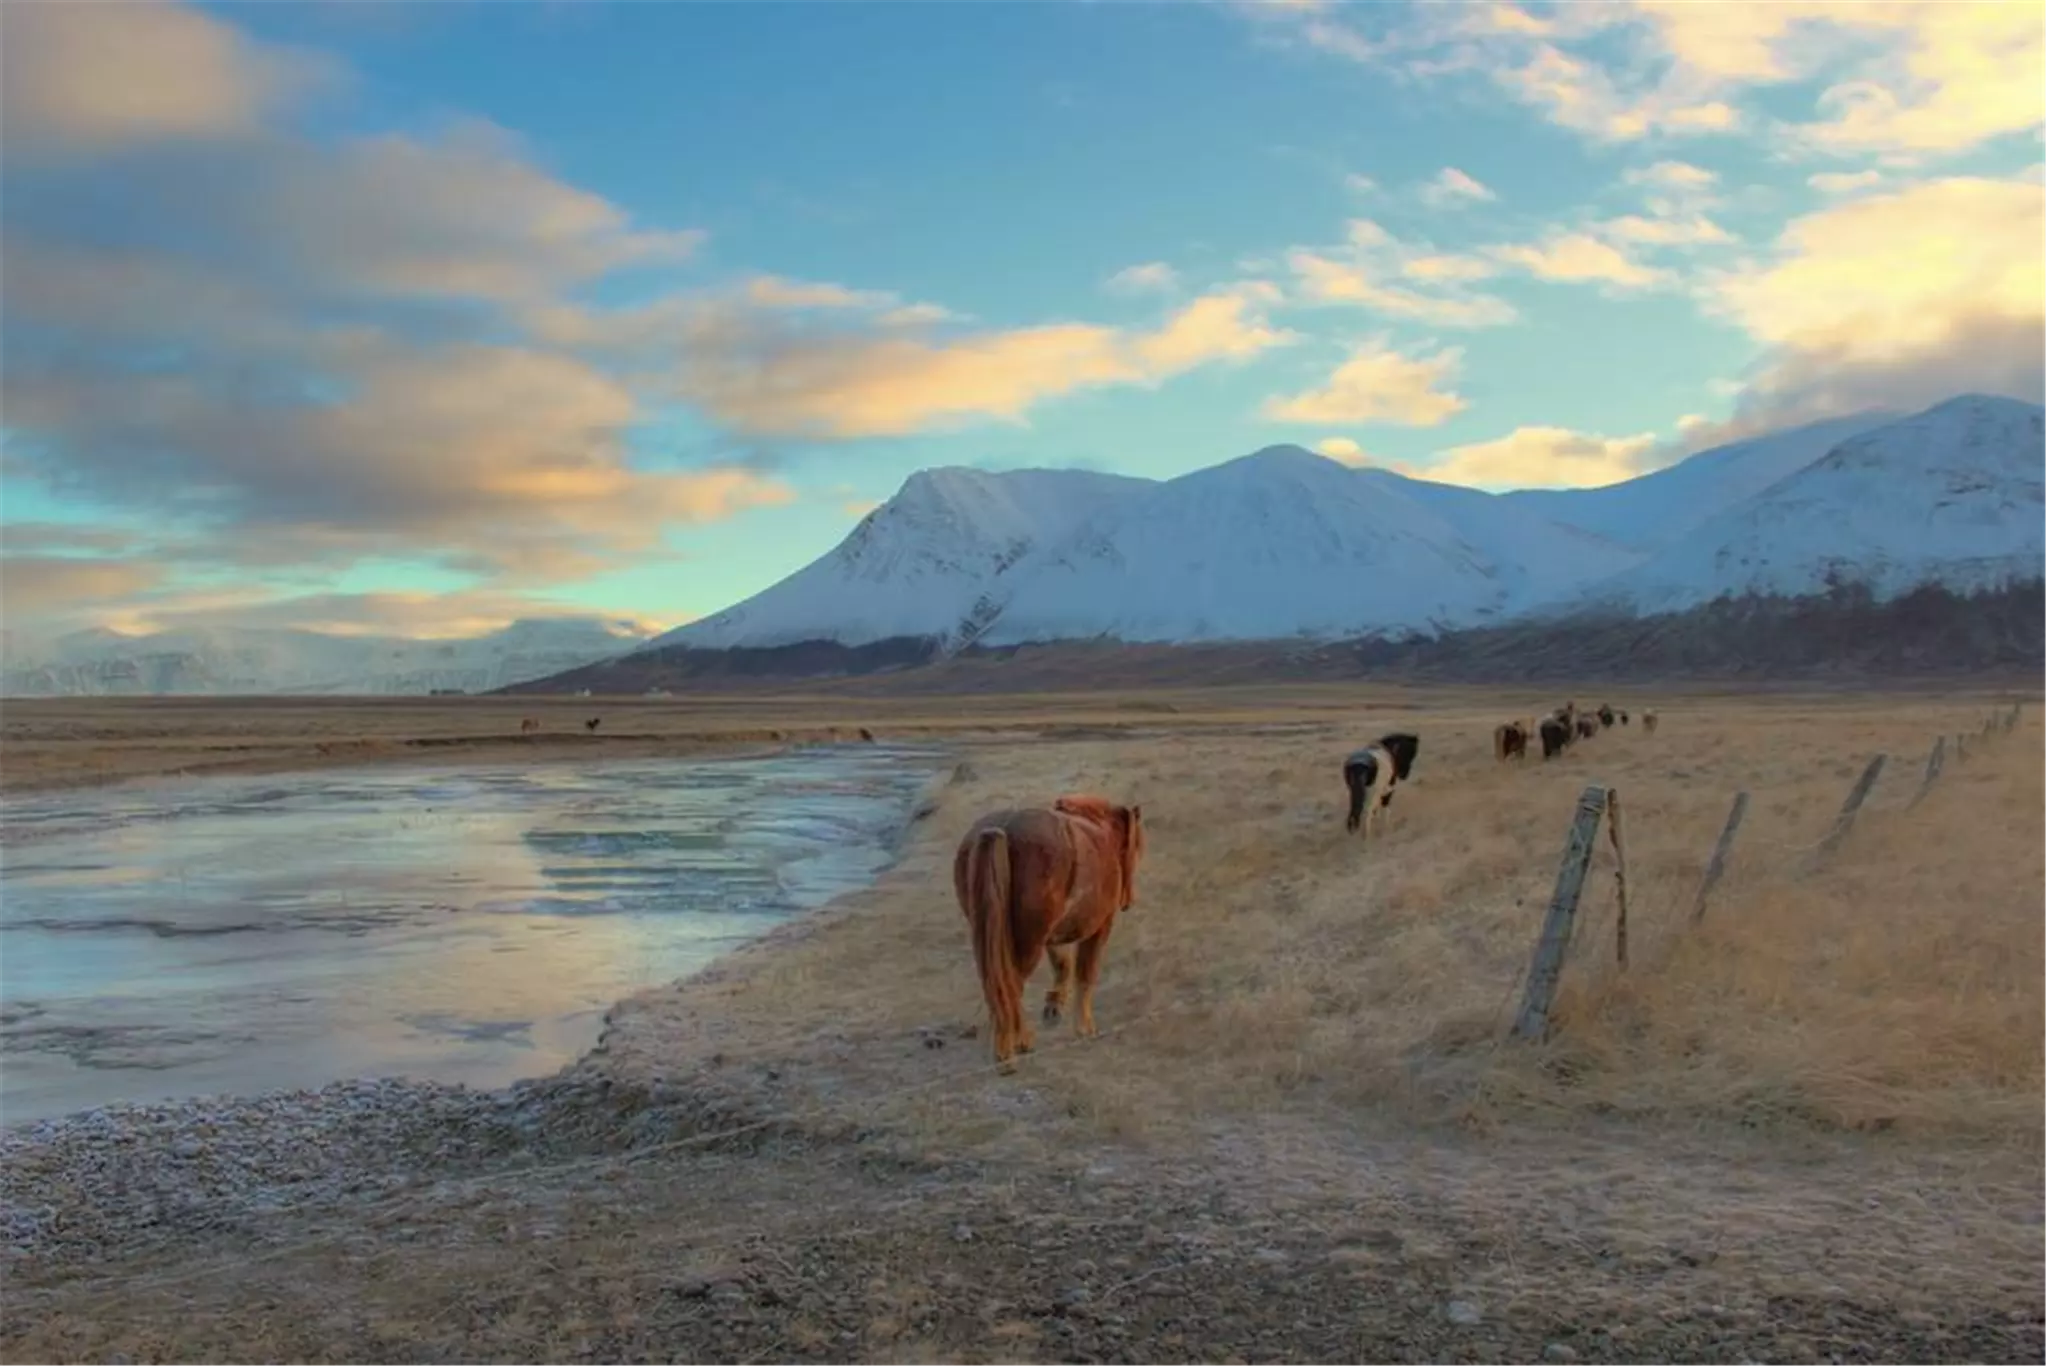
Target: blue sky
(425,317)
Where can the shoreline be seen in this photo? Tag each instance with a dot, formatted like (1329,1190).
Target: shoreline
(944,766)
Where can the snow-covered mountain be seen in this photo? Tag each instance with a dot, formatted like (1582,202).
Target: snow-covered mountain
(1285,544)
(1653,510)
(919,564)
(235,660)
(1955,494)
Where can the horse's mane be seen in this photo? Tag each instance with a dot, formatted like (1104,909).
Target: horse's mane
(1401,748)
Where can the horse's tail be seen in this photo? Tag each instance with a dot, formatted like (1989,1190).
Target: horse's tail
(1499,742)
(994,952)
(1354,776)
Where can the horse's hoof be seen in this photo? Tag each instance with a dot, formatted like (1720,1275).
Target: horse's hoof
(1005,1066)
(1053,1013)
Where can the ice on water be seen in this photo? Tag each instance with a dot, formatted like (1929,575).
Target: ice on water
(468,925)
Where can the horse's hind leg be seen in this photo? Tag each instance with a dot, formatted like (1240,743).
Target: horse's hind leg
(1089,973)
(1061,982)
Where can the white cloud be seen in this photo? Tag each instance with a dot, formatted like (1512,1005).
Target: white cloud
(1452,188)
(1152,276)
(1844,182)
(1672,176)
(1896,299)
(1896,79)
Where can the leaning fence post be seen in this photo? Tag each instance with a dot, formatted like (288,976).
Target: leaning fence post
(1934,762)
(1533,1020)
(1855,797)
(1619,838)
(1716,869)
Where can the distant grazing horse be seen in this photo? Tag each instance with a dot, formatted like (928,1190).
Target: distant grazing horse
(1606,716)
(528,725)
(1648,722)
(1555,736)
(1038,881)
(1587,726)
(1509,742)
(1373,772)
(1623,716)
(592,724)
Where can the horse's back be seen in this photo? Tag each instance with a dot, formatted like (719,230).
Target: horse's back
(1039,847)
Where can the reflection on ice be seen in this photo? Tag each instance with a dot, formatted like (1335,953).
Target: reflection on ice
(472,925)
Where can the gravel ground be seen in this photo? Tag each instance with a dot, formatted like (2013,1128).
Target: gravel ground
(575,1220)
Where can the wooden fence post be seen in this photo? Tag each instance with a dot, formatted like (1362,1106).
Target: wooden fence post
(1533,1020)
(1618,834)
(1934,762)
(1716,869)
(1855,797)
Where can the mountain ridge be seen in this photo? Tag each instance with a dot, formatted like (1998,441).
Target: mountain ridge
(230,660)
(1282,543)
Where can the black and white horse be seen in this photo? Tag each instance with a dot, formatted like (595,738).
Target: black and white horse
(1373,772)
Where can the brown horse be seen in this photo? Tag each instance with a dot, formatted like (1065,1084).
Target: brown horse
(528,725)
(1509,742)
(1045,880)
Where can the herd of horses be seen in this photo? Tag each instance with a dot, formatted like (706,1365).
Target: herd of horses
(1048,881)
(530,725)
(1559,730)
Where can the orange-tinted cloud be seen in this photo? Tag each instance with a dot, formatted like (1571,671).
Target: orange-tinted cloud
(764,380)
(1581,258)
(87,79)
(1383,274)
(1378,384)
(1542,457)
(37,585)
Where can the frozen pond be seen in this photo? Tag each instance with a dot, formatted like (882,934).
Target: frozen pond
(458,924)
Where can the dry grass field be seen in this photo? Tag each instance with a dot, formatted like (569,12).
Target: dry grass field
(1807,1127)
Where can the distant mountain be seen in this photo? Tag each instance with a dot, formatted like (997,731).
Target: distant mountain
(918,564)
(1654,509)
(243,661)
(1284,545)
(1955,495)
